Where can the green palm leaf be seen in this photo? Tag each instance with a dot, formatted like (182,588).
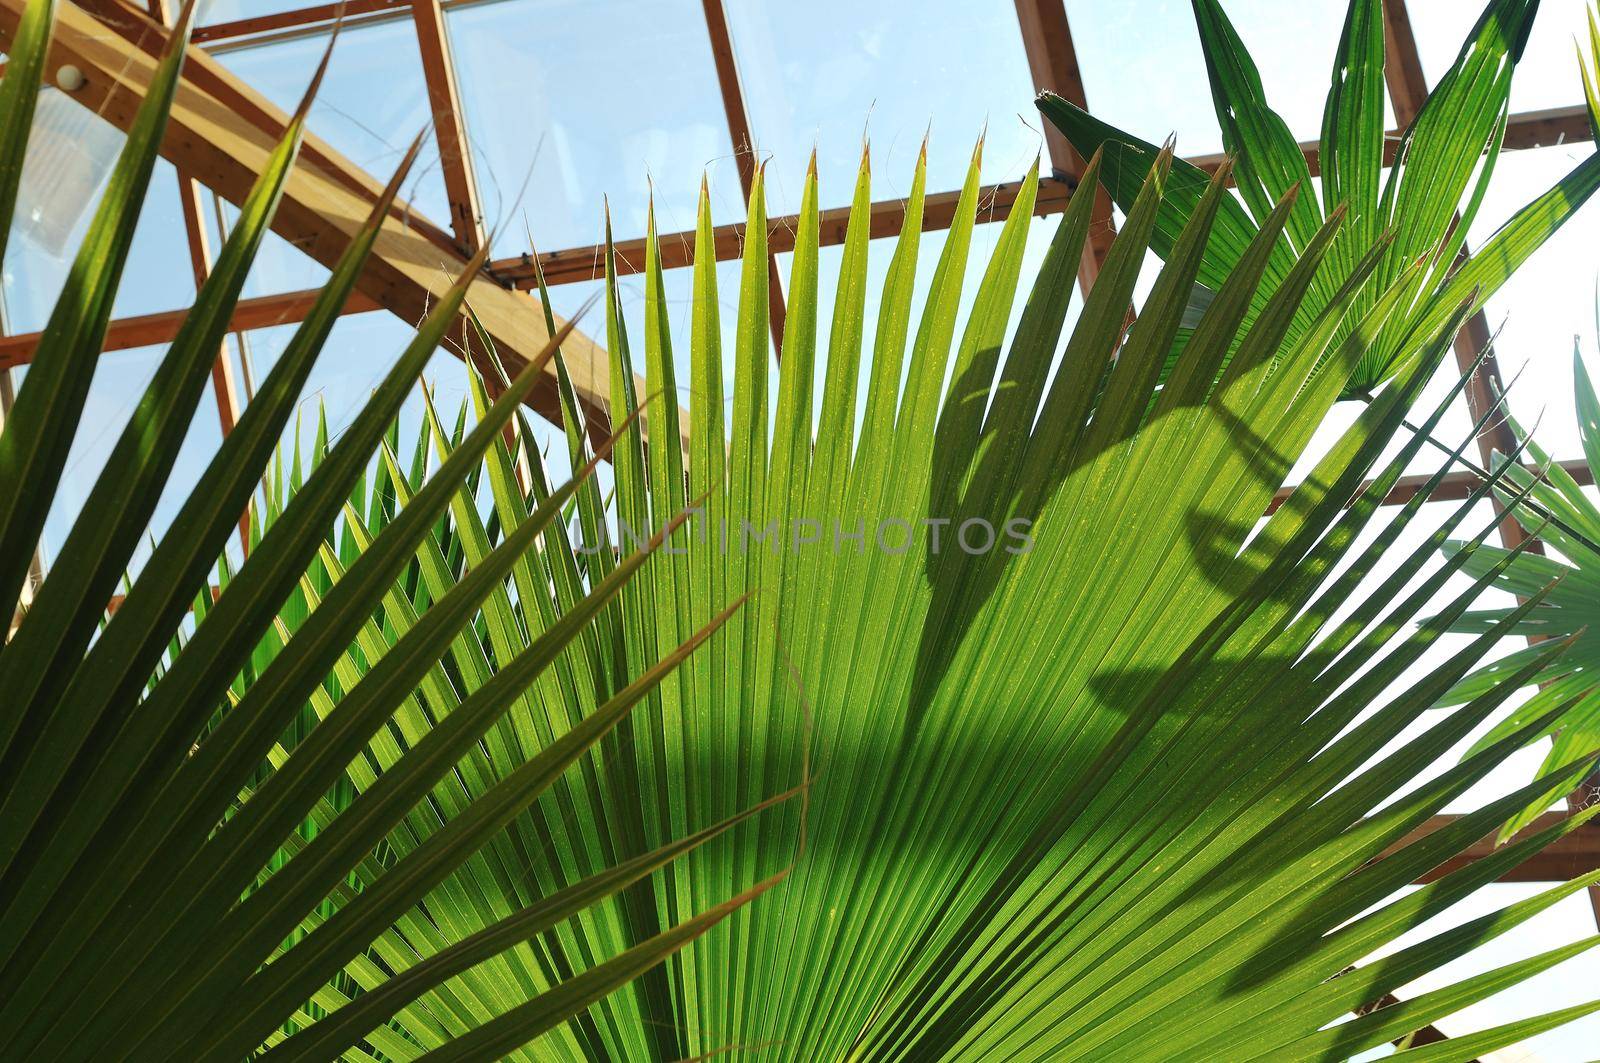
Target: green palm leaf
(1566,521)
(1092,759)
(1444,161)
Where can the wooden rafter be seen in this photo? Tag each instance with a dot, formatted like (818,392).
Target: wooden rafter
(1531,129)
(744,148)
(1546,128)
(225,390)
(563,267)
(1053,62)
(312,17)
(1408,90)
(150,329)
(1453,486)
(449,125)
(569,265)
(204,73)
(1402,64)
(210,138)
(677,249)
(1564,859)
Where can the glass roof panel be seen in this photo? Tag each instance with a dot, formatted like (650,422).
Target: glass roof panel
(120,378)
(569,102)
(214,11)
(373,100)
(678,285)
(1547,76)
(359,350)
(1144,71)
(1548,303)
(279,266)
(71,153)
(826,73)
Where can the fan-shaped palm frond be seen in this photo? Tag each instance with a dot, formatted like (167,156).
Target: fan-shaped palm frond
(1088,793)
(1153,855)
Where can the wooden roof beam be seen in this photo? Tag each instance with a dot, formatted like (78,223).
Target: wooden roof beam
(1564,859)
(1530,129)
(146,330)
(677,249)
(1452,487)
(449,125)
(1550,127)
(317,16)
(203,71)
(572,265)
(744,149)
(1053,62)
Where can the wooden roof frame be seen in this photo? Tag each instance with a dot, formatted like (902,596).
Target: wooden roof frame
(1045,34)
(221,132)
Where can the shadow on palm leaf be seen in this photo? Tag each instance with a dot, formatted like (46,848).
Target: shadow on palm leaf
(962,585)
(1209,829)
(1202,731)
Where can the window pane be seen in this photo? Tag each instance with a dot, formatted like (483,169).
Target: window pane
(1144,71)
(570,102)
(1547,76)
(372,101)
(119,380)
(214,11)
(826,73)
(71,153)
(359,350)
(678,284)
(1548,303)
(1564,985)
(279,266)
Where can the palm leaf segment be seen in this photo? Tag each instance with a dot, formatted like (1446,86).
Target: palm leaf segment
(1567,524)
(1076,793)
(1565,521)
(1428,198)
